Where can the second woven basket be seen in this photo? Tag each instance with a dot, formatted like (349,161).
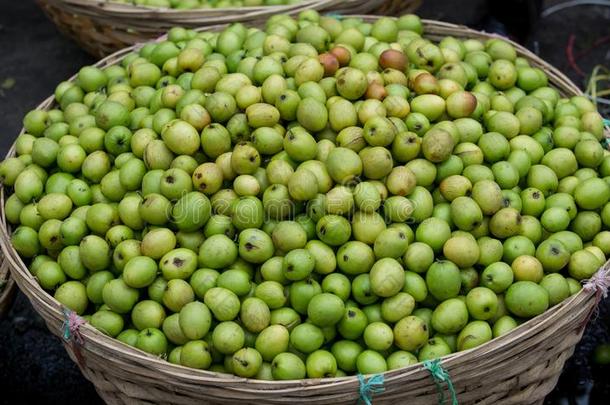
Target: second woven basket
(102,27)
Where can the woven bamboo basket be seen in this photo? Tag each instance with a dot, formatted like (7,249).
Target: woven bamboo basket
(521,367)
(102,27)
(7,286)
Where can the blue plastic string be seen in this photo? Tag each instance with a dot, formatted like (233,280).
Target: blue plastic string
(440,376)
(66,324)
(374,385)
(337,16)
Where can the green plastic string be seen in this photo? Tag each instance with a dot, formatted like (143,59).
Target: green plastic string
(440,376)
(606,141)
(374,385)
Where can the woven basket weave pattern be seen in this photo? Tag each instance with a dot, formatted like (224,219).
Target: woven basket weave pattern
(103,27)
(7,287)
(521,367)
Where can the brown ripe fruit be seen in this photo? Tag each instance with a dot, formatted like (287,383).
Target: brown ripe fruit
(329,62)
(342,54)
(412,75)
(391,58)
(461,104)
(376,91)
(426,83)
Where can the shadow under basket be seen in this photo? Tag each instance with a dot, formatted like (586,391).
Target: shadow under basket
(102,27)
(521,367)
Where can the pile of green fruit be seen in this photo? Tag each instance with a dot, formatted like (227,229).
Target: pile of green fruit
(315,199)
(199,4)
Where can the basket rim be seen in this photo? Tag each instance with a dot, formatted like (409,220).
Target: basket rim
(133,11)
(6,277)
(130,8)
(26,281)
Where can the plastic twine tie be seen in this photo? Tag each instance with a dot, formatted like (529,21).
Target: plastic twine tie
(440,376)
(606,140)
(337,16)
(599,283)
(374,385)
(71,327)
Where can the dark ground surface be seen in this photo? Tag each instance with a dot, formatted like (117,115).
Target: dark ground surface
(33,364)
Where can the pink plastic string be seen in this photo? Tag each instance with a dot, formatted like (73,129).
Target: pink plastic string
(71,326)
(599,283)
